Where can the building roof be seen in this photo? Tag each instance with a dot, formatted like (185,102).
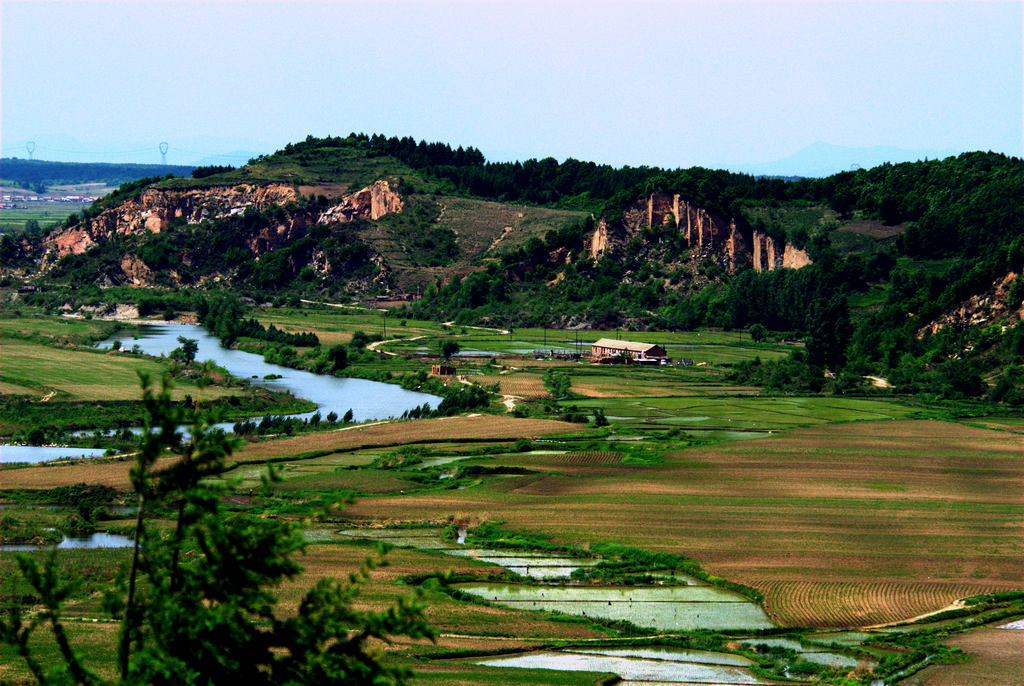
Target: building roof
(631,346)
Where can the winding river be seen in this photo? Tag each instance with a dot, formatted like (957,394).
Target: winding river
(368,400)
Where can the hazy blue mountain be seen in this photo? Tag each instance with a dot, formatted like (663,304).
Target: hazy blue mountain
(824,159)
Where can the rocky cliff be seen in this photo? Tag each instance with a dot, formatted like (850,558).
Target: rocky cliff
(980,309)
(707,234)
(372,202)
(155,209)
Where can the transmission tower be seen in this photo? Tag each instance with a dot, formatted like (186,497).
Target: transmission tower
(31,147)
(163,153)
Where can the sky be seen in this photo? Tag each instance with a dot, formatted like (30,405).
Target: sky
(668,83)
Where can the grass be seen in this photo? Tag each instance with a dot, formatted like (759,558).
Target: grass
(483,427)
(732,413)
(64,329)
(336,325)
(45,213)
(84,374)
(483,225)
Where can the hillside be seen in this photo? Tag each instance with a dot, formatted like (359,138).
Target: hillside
(904,271)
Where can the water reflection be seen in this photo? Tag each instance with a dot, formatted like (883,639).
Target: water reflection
(99,539)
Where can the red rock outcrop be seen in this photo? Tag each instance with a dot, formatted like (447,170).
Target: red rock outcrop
(372,202)
(157,207)
(706,233)
(795,258)
(979,309)
(769,254)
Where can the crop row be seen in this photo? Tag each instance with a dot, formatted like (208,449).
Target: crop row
(851,604)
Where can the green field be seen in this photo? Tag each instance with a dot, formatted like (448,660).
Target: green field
(46,214)
(81,374)
(765,414)
(840,511)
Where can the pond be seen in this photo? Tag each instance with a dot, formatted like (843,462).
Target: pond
(97,540)
(675,608)
(35,453)
(639,665)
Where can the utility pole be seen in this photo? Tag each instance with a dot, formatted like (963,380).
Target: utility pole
(385,324)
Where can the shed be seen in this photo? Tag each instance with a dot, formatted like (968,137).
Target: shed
(609,349)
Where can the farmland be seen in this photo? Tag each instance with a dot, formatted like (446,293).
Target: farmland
(840,511)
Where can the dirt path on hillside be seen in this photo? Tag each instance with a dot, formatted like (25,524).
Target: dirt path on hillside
(373,346)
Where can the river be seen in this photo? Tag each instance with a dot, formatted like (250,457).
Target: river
(367,399)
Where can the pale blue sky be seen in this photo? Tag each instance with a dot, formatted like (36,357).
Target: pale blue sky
(672,84)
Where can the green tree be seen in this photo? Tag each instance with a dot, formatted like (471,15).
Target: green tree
(449,348)
(187,350)
(338,356)
(758,332)
(196,603)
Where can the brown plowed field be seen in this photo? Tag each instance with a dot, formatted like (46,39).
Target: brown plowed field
(393,433)
(591,457)
(847,524)
(524,386)
(996,658)
(851,604)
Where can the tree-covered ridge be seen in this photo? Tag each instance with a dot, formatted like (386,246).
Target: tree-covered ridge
(945,231)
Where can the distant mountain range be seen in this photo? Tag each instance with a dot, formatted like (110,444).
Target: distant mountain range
(825,159)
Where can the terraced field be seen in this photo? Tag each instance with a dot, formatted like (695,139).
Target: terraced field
(853,604)
(911,513)
(523,385)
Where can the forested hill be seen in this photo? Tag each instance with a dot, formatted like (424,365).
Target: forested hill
(41,174)
(911,269)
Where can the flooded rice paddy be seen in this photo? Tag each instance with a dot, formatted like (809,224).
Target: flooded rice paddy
(686,607)
(652,665)
(672,608)
(807,652)
(535,565)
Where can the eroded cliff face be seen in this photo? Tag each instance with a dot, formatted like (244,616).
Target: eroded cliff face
(980,309)
(156,208)
(707,234)
(771,254)
(372,202)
